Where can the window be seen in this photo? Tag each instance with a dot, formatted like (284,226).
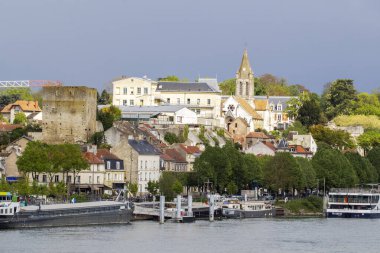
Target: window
(271,107)
(98,179)
(131,102)
(179,119)
(168,100)
(279,107)
(146,164)
(241,88)
(246,88)
(188,101)
(90,180)
(138,91)
(145,176)
(197,111)
(56,178)
(235,124)
(109,176)
(279,117)
(125,102)
(209,101)
(118,165)
(145,90)
(125,91)
(198,101)
(36,178)
(69,179)
(178,101)
(117,90)
(44,178)
(78,179)
(115,176)
(141,102)
(132,90)
(154,164)
(108,165)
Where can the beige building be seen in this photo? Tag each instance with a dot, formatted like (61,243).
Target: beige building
(31,110)
(69,114)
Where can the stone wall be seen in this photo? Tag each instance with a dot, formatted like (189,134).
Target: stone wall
(69,114)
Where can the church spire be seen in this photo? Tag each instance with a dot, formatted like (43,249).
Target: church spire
(245,83)
(245,70)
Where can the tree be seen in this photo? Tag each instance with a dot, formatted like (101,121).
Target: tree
(374,157)
(108,115)
(365,171)
(153,187)
(282,172)
(20,118)
(171,138)
(166,183)
(296,126)
(367,104)
(105,98)
(335,138)
(310,112)
(177,187)
(168,79)
(340,98)
(331,165)
(308,178)
(369,139)
(228,86)
(133,188)
(231,188)
(11,95)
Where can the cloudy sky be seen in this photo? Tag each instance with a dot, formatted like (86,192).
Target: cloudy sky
(91,42)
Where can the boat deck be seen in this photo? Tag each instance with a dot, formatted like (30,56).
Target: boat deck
(71,206)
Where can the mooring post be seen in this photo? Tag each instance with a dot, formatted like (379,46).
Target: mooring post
(178,213)
(211,207)
(190,206)
(245,197)
(162,209)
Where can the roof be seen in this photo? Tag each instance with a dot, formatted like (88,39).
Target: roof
(269,144)
(261,105)
(143,147)
(247,107)
(299,149)
(26,106)
(184,87)
(282,144)
(166,157)
(4,127)
(106,154)
(92,158)
(245,68)
(175,155)
(190,149)
(258,135)
(275,100)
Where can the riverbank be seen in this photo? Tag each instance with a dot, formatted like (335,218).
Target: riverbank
(311,206)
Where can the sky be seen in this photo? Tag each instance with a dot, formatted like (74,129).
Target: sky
(91,42)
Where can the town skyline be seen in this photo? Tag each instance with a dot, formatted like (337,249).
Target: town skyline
(91,43)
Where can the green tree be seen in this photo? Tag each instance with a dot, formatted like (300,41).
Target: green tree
(339,98)
(296,126)
(331,165)
(310,112)
(153,187)
(177,187)
(133,188)
(105,98)
(369,139)
(365,171)
(374,157)
(168,79)
(308,177)
(20,118)
(16,93)
(335,138)
(367,104)
(171,138)
(231,188)
(228,86)
(166,183)
(108,115)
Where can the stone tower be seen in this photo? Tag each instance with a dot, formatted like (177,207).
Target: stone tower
(245,84)
(69,114)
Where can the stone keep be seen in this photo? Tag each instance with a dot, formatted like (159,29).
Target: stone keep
(69,114)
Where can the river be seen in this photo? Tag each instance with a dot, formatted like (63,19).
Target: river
(238,236)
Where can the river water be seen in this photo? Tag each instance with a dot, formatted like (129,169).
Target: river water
(238,236)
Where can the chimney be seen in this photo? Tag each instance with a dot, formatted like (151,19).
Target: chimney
(94,149)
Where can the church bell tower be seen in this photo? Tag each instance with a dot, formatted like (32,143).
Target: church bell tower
(245,84)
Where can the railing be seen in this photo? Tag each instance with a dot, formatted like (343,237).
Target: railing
(354,190)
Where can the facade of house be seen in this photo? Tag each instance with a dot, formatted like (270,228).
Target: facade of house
(31,110)
(190,153)
(114,169)
(294,149)
(306,141)
(254,137)
(174,161)
(261,148)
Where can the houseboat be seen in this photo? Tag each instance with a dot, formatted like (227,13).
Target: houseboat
(354,203)
(13,215)
(234,208)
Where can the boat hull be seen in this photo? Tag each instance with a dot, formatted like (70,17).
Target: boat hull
(242,214)
(337,214)
(54,219)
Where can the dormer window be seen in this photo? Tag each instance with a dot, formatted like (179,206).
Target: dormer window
(279,107)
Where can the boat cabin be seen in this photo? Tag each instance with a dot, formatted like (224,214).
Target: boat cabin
(7,206)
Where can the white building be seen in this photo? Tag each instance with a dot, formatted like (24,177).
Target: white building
(31,110)
(147,163)
(199,97)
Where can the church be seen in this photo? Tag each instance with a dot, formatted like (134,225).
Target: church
(244,112)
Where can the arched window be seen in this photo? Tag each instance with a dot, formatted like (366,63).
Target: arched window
(247,89)
(241,88)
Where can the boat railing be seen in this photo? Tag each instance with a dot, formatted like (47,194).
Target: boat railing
(354,190)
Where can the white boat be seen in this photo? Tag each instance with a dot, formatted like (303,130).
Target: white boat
(234,208)
(354,203)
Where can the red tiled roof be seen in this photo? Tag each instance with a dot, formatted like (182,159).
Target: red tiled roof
(299,149)
(190,149)
(258,135)
(270,145)
(4,127)
(29,106)
(175,155)
(106,154)
(91,158)
(166,157)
